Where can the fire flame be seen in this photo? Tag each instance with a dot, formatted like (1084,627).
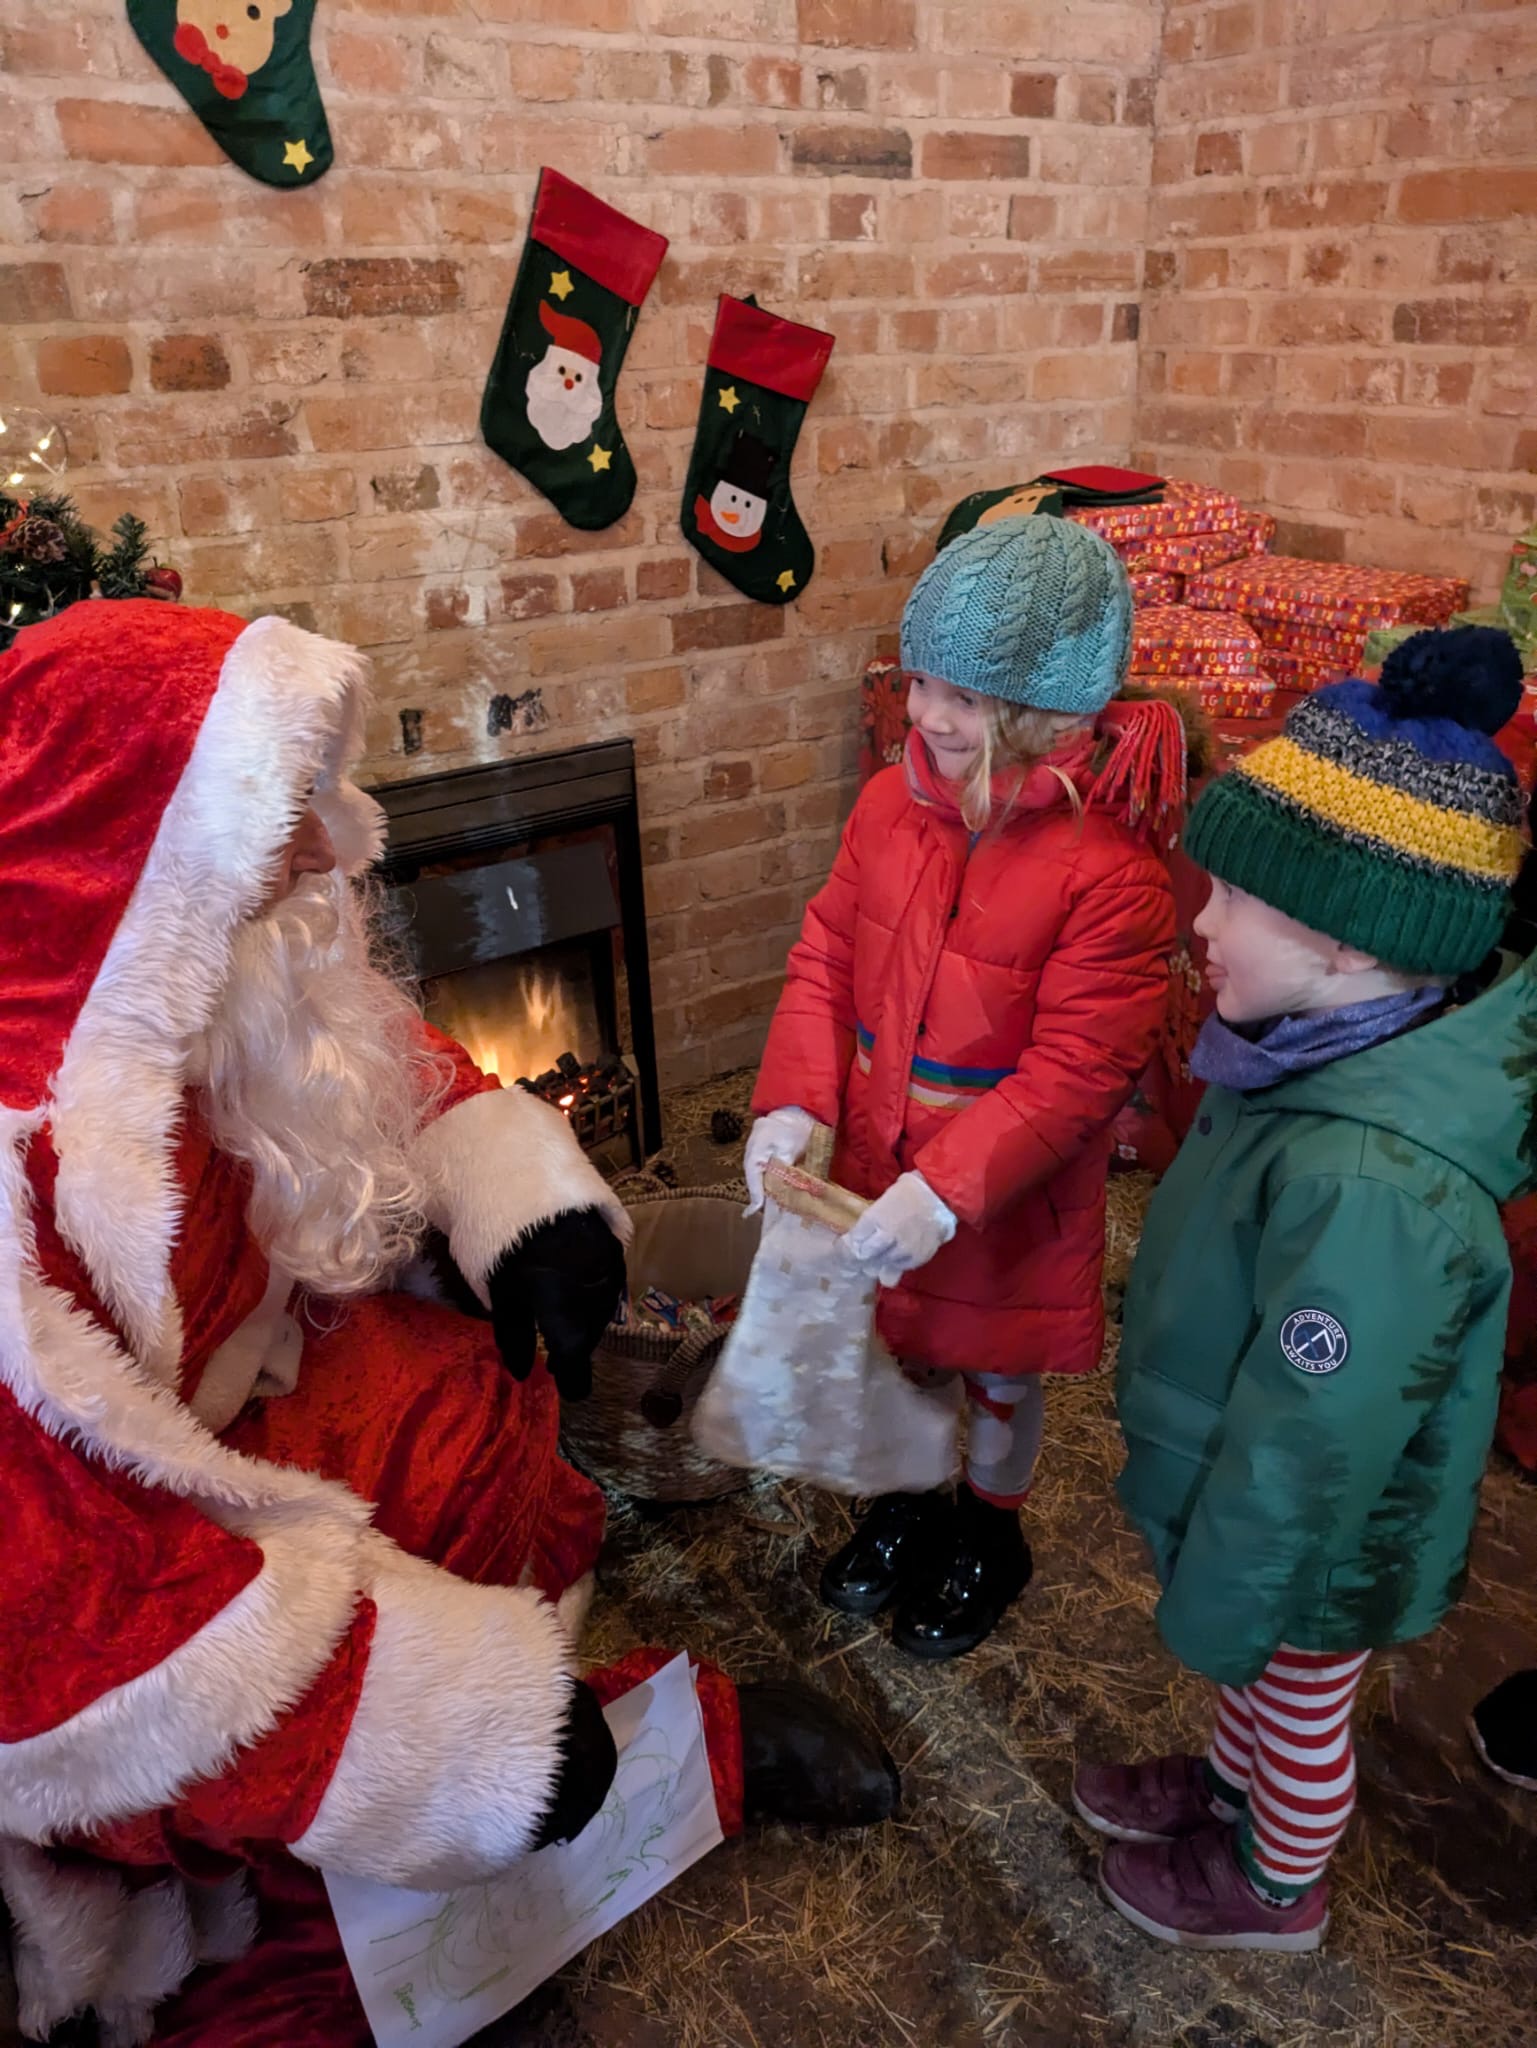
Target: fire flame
(515,1023)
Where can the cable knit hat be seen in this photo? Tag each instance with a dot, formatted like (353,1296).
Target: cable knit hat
(1033,610)
(1384,814)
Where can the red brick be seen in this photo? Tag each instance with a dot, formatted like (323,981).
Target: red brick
(395,138)
(527,597)
(70,213)
(1312,543)
(188,362)
(1097,97)
(1495,192)
(354,287)
(1484,322)
(774,82)
(122,132)
(598,590)
(960,153)
(308,494)
(728,625)
(1137,108)
(1081,270)
(446,608)
(725,830)
(667,578)
(1218,153)
(858,24)
(33,293)
(727,782)
(836,151)
(84,366)
(1033,95)
(63,49)
(958,276)
(1328,435)
(711,150)
(369,64)
(852,216)
(471,214)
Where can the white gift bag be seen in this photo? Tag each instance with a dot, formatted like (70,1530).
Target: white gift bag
(804,1387)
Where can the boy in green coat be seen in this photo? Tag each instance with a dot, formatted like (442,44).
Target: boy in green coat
(1315,1325)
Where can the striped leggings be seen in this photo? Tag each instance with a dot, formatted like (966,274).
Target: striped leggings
(1283,1743)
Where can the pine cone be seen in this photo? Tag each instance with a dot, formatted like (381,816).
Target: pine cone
(36,540)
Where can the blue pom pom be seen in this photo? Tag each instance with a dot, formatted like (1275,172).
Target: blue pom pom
(1471,675)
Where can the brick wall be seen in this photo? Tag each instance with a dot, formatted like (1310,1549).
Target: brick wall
(1342,258)
(286,385)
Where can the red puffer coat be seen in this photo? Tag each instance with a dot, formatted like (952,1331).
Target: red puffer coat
(980,1012)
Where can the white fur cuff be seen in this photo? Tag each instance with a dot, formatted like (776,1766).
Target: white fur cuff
(497,1166)
(450,1763)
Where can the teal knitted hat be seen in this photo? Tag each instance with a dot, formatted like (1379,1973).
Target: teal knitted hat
(1034,610)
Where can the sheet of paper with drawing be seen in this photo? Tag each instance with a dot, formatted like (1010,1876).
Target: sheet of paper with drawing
(432,1967)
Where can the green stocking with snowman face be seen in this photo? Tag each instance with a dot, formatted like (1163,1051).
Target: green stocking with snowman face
(737,507)
(243,67)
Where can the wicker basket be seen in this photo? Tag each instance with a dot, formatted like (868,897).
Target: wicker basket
(633,1433)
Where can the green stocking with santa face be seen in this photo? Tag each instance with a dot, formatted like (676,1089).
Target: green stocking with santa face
(243,67)
(548,407)
(737,507)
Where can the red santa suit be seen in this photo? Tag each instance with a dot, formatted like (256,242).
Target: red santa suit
(277,1591)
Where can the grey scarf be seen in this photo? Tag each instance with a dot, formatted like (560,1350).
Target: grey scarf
(1294,1045)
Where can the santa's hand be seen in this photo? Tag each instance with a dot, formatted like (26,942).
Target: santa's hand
(562,1281)
(588,1761)
(781,1136)
(901,1231)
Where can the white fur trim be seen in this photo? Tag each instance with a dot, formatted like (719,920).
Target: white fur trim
(282,713)
(80,1940)
(451,1759)
(135,1748)
(498,1165)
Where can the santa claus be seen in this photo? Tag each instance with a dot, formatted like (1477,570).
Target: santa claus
(563,394)
(319,1559)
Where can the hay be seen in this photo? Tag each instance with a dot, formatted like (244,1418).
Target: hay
(975,1920)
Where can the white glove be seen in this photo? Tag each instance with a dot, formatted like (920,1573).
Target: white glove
(782,1135)
(900,1231)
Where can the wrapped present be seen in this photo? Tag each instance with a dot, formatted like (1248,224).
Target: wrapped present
(1336,594)
(1184,554)
(1152,587)
(1172,640)
(1522,630)
(1259,531)
(1300,672)
(1381,641)
(1518,593)
(1185,508)
(1237,696)
(1317,643)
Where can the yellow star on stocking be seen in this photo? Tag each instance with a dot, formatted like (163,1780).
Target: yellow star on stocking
(728,399)
(786,579)
(296,156)
(600,458)
(561,286)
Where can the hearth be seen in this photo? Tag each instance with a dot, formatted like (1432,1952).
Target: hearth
(516,893)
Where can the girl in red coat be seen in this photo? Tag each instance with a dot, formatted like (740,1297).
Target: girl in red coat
(973,995)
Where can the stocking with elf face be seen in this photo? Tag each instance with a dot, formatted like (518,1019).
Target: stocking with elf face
(737,508)
(548,407)
(243,67)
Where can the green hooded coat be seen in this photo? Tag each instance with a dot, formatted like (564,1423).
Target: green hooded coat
(1314,1332)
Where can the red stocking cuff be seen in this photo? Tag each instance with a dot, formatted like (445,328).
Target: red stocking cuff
(764,349)
(604,244)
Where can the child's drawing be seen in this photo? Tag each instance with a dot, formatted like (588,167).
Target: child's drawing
(432,1968)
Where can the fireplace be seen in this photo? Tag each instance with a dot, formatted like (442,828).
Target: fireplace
(515,892)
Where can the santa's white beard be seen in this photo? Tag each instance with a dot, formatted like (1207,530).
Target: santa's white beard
(560,417)
(314,1075)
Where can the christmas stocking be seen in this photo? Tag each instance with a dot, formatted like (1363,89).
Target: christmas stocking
(243,67)
(548,407)
(737,508)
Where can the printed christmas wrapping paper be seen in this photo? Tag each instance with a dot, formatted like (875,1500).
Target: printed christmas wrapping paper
(1301,671)
(1150,587)
(1242,697)
(1336,594)
(1173,640)
(1187,508)
(1185,554)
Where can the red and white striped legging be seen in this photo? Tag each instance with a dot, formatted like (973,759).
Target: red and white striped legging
(1285,1741)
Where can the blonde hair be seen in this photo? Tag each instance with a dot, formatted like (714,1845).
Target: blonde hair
(1014,736)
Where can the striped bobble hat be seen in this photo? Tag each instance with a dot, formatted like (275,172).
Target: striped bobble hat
(1034,610)
(1384,814)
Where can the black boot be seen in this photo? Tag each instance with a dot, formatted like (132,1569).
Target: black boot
(959,1598)
(899,1530)
(1504,1730)
(805,1761)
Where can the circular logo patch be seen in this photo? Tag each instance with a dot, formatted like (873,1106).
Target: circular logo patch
(1314,1342)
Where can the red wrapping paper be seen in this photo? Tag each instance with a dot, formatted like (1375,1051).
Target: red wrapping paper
(1186,508)
(1172,640)
(1333,594)
(1151,587)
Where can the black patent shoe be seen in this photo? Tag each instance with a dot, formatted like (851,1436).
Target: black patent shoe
(1504,1730)
(899,1533)
(806,1762)
(962,1596)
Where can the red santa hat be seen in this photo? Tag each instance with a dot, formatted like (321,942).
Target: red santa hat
(566,331)
(156,760)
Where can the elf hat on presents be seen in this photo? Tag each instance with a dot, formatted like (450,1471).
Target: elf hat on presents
(156,761)
(1384,815)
